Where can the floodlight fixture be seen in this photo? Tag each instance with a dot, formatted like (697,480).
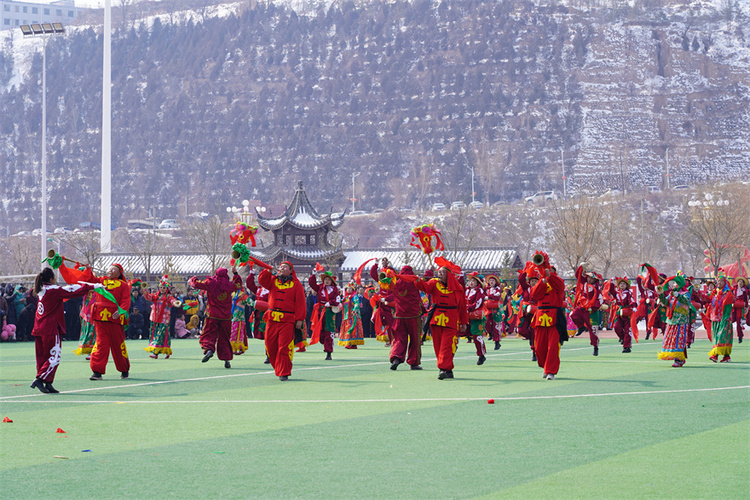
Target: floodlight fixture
(26,30)
(37,29)
(58,27)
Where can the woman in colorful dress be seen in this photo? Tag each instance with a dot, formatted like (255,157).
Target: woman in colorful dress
(324,314)
(351,334)
(493,311)
(163,301)
(720,314)
(88,335)
(238,337)
(676,300)
(474,307)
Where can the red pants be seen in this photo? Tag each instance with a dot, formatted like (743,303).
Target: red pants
(547,348)
(737,318)
(492,328)
(525,329)
(582,319)
(479,344)
(326,338)
(407,332)
(444,340)
(215,337)
(109,337)
(280,346)
(48,350)
(622,329)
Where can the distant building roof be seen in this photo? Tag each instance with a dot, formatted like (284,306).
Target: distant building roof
(301,214)
(477,259)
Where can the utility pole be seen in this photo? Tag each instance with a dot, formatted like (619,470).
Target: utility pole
(667,167)
(106,196)
(353,197)
(562,162)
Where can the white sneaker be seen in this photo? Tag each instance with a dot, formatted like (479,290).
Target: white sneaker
(550,376)
(544,376)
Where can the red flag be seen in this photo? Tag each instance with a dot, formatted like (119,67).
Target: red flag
(707,326)
(72,275)
(358,273)
(319,267)
(316,323)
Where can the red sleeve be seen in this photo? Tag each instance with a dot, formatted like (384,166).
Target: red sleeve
(300,304)
(265,278)
(250,282)
(237,281)
(463,313)
(374,272)
(313,281)
(198,284)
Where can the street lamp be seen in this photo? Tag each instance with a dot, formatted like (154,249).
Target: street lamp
(43,31)
(353,197)
(244,212)
(473,193)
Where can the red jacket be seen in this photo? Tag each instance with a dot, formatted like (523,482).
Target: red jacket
(286,300)
(406,298)
(549,293)
(219,292)
(588,296)
(104,308)
(50,313)
(449,302)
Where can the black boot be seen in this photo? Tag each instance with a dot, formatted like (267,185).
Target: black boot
(95,376)
(227,364)
(394,363)
(208,355)
(497,345)
(533,356)
(50,389)
(267,361)
(328,356)
(596,350)
(39,384)
(481,360)
(442,375)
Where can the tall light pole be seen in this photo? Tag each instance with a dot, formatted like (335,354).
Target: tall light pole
(473,192)
(353,197)
(562,162)
(106,196)
(44,31)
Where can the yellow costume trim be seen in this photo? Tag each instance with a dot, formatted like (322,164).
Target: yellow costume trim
(382,338)
(82,350)
(669,356)
(352,342)
(721,350)
(158,350)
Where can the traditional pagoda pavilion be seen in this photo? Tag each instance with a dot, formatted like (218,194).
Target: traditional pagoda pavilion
(300,236)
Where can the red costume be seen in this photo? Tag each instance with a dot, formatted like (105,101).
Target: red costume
(623,303)
(385,305)
(261,304)
(217,327)
(475,311)
(450,314)
(49,326)
(323,321)
(286,306)
(527,310)
(493,300)
(588,300)
(110,332)
(741,292)
(549,321)
(407,327)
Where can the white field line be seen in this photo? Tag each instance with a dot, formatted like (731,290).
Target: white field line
(390,400)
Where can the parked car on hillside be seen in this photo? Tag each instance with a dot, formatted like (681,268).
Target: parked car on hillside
(438,206)
(357,212)
(541,196)
(653,189)
(63,230)
(458,205)
(378,211)
(169,224)
(476,204)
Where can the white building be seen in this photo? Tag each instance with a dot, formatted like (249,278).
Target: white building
(13,14)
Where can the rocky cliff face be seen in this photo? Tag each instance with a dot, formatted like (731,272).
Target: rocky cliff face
(413,97)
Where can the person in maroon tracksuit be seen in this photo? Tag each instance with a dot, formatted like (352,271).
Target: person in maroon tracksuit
(741,292)
(218,324)
(588,301)
(406,327)
(49,326)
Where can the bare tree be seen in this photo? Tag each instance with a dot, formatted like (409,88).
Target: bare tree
(719,224)
(21,257)
(461,233)
(488,159)
(144,245)
(577,231)
(85,246)
(210,237)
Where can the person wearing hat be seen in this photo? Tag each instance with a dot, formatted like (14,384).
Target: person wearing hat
(527,279)
(475,309)
(406,328)
(286,313)
(550,320)
(450,315)
(587,304)
(110,324)
(624,305)
(215,337)
(159,341)
(677,303)
(741,292)
(260,307)
(324,313)
(492,306)
(720,314)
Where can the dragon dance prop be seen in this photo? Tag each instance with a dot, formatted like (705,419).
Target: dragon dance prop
(422,237)
(240,235)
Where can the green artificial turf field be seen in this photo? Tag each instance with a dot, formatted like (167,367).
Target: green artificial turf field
(614,426)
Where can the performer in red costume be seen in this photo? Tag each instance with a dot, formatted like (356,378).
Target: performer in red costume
(450,316)
(407,326)
(261,306)
(475,309)
(110,324)
(550,322)
(286,312)
(527,279)
(217,327)
(624,304)
(326,308)
(492,307)
(49,326)
(587,304)
(741,292)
